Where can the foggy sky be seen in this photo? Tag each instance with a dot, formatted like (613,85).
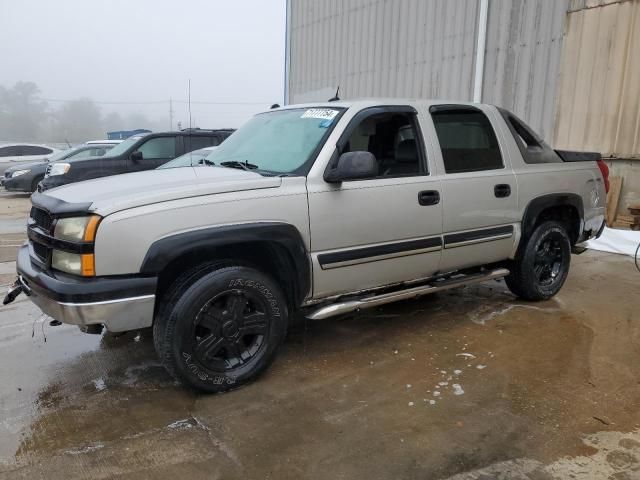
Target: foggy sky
(146,50)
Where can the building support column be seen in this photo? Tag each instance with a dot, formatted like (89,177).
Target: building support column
(481,43)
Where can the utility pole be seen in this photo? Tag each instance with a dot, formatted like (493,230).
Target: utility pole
(170,114)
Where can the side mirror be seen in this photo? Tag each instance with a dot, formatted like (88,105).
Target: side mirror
(353,166)
(136,156)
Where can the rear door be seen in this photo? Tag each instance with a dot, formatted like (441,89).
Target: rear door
(196,142)
(479,190)
(155,151)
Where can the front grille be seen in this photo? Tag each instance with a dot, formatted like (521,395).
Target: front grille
(41,251)
(41,219)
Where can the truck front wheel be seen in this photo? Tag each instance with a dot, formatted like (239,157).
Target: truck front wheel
(542,266)
(220,329)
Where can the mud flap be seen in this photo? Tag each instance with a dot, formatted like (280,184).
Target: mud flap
(578,249)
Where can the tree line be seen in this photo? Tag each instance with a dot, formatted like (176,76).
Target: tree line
(26,117)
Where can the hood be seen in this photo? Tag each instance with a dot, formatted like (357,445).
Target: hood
(26,165)
(119,192)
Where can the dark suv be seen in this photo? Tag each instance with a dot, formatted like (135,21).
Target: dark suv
(137,153)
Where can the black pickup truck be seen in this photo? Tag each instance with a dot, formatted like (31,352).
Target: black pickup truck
(137,153)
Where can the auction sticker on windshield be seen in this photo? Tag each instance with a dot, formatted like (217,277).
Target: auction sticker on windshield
(321,113)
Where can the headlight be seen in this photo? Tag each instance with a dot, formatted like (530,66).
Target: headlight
(59,169)
(17,173)
(75,230)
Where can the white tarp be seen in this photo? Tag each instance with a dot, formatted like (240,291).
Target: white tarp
(616,241)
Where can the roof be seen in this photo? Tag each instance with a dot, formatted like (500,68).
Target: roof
(103,142)
(373,102)
(26,144)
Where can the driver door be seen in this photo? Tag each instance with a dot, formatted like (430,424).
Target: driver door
(383,230)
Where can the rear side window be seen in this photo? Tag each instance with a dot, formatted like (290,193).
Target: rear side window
(467,140)
(32,150)
(192,143)
(9,151)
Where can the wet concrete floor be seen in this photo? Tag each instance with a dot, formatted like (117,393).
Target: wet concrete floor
(468,384)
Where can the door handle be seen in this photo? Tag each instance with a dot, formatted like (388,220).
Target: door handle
(502,190)
(428,197)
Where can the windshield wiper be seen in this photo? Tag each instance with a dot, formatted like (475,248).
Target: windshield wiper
(236,164)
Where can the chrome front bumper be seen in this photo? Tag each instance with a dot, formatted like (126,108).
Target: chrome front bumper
(118,315)
(118,303)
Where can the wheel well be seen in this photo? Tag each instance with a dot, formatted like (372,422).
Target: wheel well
(565,214)
(269,257)
(35,181)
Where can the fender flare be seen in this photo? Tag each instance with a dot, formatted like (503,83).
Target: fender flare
(539,204)
(167,249)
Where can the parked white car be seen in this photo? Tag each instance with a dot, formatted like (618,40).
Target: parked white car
(13,153)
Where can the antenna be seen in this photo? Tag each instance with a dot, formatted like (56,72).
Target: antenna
(190,131)
(170,113)
(336,97)
(189,103)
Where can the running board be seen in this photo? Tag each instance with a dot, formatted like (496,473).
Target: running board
(340,308)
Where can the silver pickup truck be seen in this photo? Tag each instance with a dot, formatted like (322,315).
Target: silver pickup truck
(312,210)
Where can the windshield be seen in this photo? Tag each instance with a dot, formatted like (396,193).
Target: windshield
(191,159)
(124,146)
(277,142)
(62,154)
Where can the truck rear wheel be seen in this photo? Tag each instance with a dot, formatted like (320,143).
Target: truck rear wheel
(543,264)
(220,329)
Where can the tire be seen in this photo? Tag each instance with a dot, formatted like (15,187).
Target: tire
(220,327)
(542,266)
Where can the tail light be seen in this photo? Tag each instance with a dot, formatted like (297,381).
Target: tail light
(604,169)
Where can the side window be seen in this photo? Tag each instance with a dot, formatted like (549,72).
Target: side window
(90,152)
(33,150)
(192,143)
(12,151)
(98,151)
(392,139)
(81,154)
(467,141)
(158,148)
(7,152)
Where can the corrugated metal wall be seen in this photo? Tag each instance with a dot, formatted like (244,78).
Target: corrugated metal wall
(599,102)
(426,49)
(523,50)
(411,48)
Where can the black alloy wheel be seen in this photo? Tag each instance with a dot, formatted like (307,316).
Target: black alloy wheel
(230,329)
(220,326)
(548,260)
(542,263)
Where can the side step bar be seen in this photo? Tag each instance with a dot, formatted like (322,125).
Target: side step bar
(340,308)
